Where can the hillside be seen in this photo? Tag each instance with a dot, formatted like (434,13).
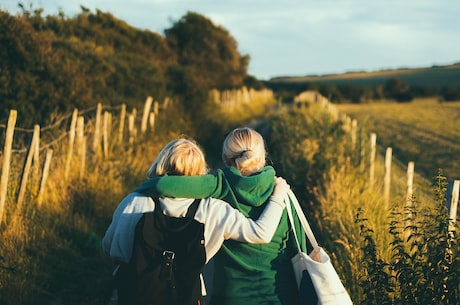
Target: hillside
(415,131)
(402,85)
(437,76)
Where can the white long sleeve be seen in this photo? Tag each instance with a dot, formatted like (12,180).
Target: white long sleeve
(118,239)
(221,221)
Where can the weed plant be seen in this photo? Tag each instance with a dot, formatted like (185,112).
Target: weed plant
(424,266)
(401,253)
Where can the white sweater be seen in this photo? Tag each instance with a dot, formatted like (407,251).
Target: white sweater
(221,221)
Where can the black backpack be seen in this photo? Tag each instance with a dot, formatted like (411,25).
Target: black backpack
(168,257)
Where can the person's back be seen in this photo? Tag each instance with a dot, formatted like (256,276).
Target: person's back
(244,273)
(254,274)
(167,260)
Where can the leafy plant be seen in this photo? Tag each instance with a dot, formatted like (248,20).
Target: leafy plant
(424,268)
(375,280)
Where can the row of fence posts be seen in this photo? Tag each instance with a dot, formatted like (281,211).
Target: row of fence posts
(102,130)
(76,138)
(351,125)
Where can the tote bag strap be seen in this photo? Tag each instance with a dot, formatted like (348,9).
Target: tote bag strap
(303,220)
(291,220)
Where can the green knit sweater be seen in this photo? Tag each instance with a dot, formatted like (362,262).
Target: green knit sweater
(245,274)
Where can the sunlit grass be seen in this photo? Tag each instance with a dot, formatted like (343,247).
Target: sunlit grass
(342,190)
(424,131)
(50,251)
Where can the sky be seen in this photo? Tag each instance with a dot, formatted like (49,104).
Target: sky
(303,37)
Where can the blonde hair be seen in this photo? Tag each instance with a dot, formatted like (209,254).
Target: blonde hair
(244,148)
(180,157)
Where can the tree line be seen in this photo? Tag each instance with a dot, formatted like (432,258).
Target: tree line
(392,89)
(53,64)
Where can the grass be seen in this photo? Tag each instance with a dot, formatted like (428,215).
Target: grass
(58,243)
(356,225)
(51,253)
(424,131)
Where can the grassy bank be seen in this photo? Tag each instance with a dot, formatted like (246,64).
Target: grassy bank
(400,252)
(424,131)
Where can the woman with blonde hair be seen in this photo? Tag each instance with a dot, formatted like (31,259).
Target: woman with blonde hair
(221,221)
(244,273)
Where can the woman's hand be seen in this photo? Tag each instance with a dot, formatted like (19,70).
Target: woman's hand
(281,187)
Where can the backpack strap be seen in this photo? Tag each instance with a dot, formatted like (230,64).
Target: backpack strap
(193,208)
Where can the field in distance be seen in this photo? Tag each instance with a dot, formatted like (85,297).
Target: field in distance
(436,76)
(424,131)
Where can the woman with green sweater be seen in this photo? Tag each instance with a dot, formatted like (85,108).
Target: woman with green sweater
(244,274)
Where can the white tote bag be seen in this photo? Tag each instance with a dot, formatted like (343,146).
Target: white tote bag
(326,282)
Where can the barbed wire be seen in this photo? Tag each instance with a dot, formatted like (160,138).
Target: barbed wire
(57,123)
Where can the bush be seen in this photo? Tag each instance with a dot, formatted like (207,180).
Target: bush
(424,268)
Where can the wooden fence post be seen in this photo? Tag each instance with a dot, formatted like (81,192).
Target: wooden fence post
(122,123)
(83,157)
(410,180)
(132,126)
(81,144)
(97,128)
(28,164)
(46,168)
(166,102)
(36,159)
(105,135)
(6,159)
(145,116)
(68,162)
(372,160)
(386,193)
(354,134)
(80,133)
(152,121)
(362,152)
(454,205)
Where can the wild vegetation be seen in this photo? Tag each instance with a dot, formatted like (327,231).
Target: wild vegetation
(51,251)
(402,253)
(76,62)
(423,131)
(402,85)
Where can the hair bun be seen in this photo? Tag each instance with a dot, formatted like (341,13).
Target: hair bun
(245,155)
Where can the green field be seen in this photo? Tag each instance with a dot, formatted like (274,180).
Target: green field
(424,131)
(436,76)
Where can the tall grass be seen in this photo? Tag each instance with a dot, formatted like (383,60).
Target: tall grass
(386,254)
(424,131)
(50,252)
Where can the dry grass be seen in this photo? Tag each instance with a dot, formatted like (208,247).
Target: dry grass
(424,131)
(50,252)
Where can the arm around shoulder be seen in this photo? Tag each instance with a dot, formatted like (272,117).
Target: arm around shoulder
(261,230)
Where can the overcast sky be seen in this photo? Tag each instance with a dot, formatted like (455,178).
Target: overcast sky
(304,37)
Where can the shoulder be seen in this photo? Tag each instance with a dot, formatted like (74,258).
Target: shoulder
(136,202)
(213,209)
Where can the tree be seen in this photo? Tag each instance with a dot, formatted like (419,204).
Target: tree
(397,89)
(207,53)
